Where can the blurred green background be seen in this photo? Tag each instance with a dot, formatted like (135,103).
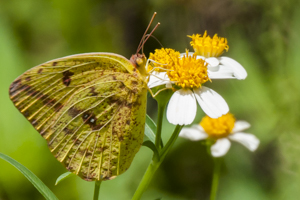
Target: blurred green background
(263,36)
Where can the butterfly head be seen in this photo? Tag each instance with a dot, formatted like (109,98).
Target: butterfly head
(139,61)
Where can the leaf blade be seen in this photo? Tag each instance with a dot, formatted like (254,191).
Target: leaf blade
(152,146)
(36,182)
(150,129)
(63,176)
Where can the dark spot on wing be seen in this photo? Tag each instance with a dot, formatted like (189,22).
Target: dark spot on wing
(93,92)
(67,77)
(97,127)
(129,105)
(67,131)
(66,81)
(54,63)
(34,122)
(87,179)
(121,138)
(77,141)
(90,119)
(40,70)
(26,113)
(134,82)
(14,87)
(67,73)
(48,101)
(122,86)
(99,149)
(73,111)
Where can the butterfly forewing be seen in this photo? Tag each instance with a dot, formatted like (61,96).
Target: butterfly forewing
(89,107)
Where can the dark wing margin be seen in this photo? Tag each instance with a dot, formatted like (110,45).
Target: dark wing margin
(89,108)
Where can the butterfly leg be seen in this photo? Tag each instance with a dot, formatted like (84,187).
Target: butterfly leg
(150,61)
(159,91)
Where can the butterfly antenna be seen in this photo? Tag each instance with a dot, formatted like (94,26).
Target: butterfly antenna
(156,40)
(146,37)
(141,42)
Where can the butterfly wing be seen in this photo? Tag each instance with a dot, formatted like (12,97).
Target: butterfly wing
(89,107)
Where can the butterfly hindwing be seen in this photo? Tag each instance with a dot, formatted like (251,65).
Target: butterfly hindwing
(89,107)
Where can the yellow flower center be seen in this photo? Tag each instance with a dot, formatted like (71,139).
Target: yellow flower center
(164,58)
(219,127)
(186,71)
(207,46)
(189,72)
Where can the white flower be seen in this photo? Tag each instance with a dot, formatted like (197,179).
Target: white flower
(189,71)
(221,130)
(223,67)
(210,50)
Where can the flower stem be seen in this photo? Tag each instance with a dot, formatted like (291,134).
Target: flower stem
(97,189)
(161,108)
(215,181)
(154,165)
(171,141)
(146,180)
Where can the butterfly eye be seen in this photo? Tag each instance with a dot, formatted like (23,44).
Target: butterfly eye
(139,61)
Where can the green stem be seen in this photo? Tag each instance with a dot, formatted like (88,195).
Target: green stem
(161,108)
(146,180)
(171,141)
(215,181)
(96,190)
(154,165)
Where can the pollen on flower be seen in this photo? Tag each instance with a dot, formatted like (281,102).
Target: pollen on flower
(207,46)
(164,58)
(188,72)
(219,127)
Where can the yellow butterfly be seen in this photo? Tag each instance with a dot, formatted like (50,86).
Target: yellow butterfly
(91,109)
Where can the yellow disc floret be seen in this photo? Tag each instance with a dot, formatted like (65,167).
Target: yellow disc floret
(164,58)
(207,46)
(189,72)
(219,127)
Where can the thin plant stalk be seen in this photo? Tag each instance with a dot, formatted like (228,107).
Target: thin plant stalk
(160,115)
(215,180)
(97,190)
(155,163)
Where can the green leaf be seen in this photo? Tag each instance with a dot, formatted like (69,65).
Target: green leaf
(63,176)
(37,183)
(150,129)
(151,146)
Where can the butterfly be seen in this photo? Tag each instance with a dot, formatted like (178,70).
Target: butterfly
(90,108)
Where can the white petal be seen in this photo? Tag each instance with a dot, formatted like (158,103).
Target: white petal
(182,107)
(220,148)
(211,102)
(240,126)
(238,69)
(248,140)
(200,57)
(221,72)
(193,133)
(158,78)
(213,64)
